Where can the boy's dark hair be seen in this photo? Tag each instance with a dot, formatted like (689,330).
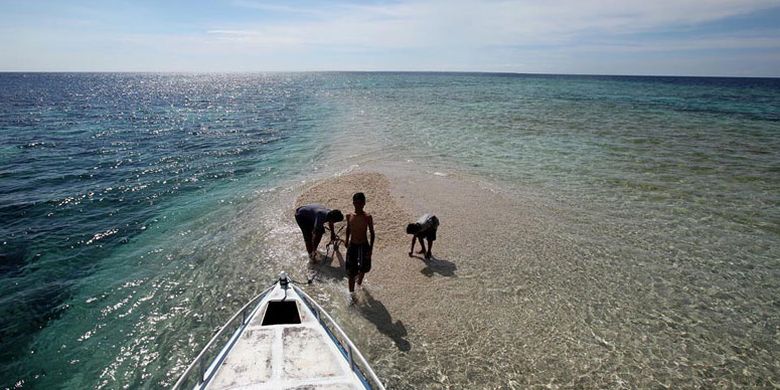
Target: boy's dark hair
(359,196)
(334,216)
(413,228)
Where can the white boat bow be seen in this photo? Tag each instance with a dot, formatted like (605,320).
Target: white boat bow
(282,340)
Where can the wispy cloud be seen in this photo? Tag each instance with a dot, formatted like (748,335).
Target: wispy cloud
(768,40)
(279,8)
(468,23)
(514,35)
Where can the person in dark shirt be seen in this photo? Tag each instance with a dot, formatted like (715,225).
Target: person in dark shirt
(311,219)
(425,227)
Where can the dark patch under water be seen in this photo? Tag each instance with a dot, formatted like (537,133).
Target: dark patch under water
(89,160)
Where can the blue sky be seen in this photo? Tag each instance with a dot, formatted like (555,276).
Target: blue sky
(661,37)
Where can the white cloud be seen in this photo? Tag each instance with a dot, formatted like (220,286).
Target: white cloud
(493,35)
(716,42)
(470,23)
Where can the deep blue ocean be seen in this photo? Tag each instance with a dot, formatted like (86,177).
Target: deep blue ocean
(123,195)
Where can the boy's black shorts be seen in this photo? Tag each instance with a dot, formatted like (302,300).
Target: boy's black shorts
(429,234)
(358,259)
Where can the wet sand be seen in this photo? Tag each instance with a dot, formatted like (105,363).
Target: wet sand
(523,292)
(480,312)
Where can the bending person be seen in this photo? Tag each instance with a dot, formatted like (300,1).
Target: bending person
(425,228)
(311,219)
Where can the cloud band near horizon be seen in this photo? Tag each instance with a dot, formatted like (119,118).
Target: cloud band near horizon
(683,37)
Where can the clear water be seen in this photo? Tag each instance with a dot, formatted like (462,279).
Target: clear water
(135,208)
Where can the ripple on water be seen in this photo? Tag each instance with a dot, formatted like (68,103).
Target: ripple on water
(645,257)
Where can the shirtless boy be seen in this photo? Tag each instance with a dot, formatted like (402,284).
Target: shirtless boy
(359,247)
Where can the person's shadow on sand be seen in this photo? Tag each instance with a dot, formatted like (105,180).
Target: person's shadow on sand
(441,266)
(327,268)
(377,313)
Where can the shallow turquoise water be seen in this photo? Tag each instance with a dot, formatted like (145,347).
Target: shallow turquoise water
(132,202)
(101,174)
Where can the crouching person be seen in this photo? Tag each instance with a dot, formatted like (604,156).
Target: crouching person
(426,228)
(311,220)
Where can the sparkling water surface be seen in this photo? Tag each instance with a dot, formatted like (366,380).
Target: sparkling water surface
(137,209)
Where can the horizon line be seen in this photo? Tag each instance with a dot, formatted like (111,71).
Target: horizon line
(193,72)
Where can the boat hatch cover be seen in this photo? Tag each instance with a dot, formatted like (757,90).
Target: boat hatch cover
(281,313)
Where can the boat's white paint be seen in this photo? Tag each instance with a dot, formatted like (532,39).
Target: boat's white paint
(284,356)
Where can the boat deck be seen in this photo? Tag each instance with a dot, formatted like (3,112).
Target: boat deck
(285,356)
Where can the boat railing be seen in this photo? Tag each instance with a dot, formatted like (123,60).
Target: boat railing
(206,363)
(357,362)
